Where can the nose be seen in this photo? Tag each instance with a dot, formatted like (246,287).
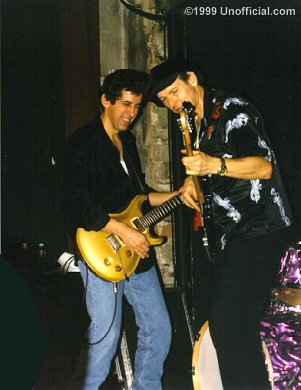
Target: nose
(173,103)
(132,111)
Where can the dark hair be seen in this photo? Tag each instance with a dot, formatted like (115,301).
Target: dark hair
(185,76)
(123,79)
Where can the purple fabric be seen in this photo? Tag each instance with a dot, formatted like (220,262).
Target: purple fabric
(290,269)
(281,332)
(281,327)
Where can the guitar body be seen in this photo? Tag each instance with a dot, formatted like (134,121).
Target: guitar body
(106,254)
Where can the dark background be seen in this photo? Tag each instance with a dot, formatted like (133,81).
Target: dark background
(50,75)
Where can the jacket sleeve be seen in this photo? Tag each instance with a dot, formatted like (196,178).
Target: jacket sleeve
(80,203)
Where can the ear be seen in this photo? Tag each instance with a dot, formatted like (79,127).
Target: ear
(104,101)
(193,80)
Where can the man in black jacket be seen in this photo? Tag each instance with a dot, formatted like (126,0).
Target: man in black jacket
(102,174)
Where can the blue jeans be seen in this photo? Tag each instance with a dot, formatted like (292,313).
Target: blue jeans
(144,294)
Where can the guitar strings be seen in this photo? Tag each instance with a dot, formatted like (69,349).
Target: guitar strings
(160,211)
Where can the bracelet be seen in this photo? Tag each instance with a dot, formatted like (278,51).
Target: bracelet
(223,169)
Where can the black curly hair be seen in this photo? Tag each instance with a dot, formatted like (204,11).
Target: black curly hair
(123,79)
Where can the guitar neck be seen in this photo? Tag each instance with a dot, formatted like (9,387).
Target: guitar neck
(194,177)
(198,189)
(187,126)
(160,212)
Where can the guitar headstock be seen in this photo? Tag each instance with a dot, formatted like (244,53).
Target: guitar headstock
(187,123)
(188,108)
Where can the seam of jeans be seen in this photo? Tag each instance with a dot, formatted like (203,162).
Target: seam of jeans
(145,326)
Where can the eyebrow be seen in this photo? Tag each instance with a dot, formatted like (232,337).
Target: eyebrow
(171,91)
(130,102)
(126,101)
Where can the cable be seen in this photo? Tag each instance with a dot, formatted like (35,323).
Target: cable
(135,8)
(115,289)
(113,319)
(210,258)
(67,264)
(121,262)
(210,255)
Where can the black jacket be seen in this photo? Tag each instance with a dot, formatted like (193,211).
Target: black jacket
(95,184)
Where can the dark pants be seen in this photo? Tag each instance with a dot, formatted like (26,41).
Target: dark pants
(245,273)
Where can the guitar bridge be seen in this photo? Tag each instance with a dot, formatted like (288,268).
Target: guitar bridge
(115,244)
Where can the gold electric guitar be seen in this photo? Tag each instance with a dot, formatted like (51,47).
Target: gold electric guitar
(107,255)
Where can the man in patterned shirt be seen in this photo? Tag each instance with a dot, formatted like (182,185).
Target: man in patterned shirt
(251,214)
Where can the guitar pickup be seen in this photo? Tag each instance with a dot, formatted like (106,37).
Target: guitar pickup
(138,225)
(115,244)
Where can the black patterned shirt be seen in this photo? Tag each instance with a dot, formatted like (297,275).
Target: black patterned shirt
(241,208)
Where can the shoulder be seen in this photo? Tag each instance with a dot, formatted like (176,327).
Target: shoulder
(83,139)
(81,135)
(228,101)
(232,106)
(81,145)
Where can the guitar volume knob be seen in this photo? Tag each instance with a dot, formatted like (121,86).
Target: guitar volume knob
(108,261)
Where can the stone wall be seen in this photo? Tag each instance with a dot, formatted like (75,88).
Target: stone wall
(140,43)
(156,141)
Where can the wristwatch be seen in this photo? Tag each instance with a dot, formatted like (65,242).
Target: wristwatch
(223,169)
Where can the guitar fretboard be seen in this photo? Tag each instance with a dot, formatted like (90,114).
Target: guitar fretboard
(160,212)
